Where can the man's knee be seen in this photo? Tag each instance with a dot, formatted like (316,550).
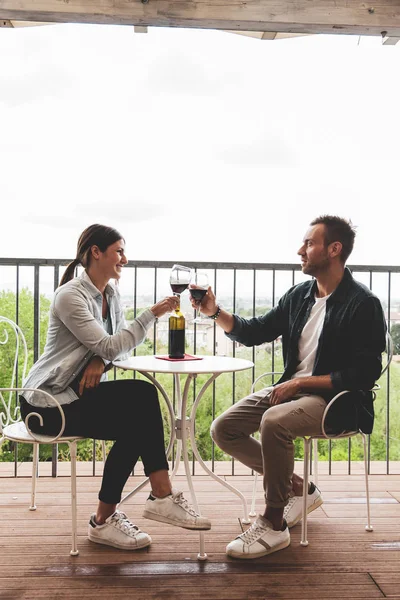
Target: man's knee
(271,423)
(215,429)
(219,430)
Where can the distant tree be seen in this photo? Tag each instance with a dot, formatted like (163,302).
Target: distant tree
(217,397)
(25,318)
(129,314)
(395,333)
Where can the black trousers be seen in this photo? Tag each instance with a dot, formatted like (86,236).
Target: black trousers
(126,411)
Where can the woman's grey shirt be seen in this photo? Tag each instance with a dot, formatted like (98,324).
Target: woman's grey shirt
(76,334)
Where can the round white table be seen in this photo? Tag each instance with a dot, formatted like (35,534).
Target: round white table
(181,424)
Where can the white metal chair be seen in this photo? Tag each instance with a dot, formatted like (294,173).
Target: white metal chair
(14,429)
(326,435)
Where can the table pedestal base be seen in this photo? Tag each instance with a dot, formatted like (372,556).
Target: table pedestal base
(182,429)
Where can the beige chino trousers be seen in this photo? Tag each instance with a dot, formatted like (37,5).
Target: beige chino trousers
(279,426)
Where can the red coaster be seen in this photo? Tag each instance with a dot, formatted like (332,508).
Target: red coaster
(187,357)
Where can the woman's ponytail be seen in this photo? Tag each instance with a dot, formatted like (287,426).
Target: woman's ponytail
(69,272)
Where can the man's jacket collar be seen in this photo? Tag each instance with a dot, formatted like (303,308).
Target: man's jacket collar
(340,293)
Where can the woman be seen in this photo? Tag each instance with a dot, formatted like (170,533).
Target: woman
(86,332)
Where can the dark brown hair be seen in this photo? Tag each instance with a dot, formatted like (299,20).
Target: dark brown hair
(338,230)
(94,235)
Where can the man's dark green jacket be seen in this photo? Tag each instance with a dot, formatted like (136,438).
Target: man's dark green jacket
(350,346)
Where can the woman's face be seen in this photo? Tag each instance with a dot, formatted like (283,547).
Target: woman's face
(113,259)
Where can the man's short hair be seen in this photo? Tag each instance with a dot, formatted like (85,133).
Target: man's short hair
(338,230)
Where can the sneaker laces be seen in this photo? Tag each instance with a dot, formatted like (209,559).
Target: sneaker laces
(179,499)
(121,521)
(254,532)
(289,505)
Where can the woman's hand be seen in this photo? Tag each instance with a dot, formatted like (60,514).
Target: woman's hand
(209,305)
(92,374)
(168,304)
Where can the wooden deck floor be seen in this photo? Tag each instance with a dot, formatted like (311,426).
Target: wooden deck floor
(342,560)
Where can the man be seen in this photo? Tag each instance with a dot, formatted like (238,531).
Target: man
(333,334)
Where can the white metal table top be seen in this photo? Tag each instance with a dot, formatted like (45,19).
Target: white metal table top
(207,364)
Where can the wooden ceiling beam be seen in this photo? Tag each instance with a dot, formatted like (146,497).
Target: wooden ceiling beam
(286,16)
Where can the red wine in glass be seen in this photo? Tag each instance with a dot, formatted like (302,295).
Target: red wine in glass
(178,288)
(179,279)
(197,294)
(198,289)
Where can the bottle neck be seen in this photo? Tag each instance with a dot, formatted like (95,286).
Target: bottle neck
(178,308)
(177,320)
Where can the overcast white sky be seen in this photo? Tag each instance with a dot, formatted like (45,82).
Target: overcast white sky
(197,145)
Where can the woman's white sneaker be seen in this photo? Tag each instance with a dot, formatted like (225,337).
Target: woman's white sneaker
(119,532)
(175,510)
(258,540)
(293,512)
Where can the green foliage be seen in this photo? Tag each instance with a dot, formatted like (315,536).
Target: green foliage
(395,333)
(130,314)
(218,397)
(248,312)
(25,318)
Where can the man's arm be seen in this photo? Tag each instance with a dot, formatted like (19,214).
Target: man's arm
(366,333)
(249,332)
(225,320)
(367,339)
(308,385)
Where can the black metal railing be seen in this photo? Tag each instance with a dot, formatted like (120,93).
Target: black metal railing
(246,288)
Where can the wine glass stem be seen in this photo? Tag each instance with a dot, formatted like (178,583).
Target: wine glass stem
(179,305)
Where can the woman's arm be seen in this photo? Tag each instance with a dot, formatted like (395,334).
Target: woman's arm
(72,309)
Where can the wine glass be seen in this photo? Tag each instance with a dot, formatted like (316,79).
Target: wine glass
(179,279)
(200,284)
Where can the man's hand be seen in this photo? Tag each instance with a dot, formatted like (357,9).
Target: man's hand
(208,305)
(92,374)
(284,391)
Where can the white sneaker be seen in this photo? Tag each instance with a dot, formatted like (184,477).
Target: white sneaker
(175,510)
(258,540)
(119,532)
(294,509)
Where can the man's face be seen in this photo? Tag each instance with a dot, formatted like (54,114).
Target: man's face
(313,252)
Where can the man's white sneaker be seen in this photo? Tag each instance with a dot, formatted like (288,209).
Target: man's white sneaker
(175,510)
(119,532)
(294,509)
(258,540)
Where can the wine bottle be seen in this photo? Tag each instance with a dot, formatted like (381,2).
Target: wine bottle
(176,335)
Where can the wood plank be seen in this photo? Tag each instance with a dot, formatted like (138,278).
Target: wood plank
(197,590)
(270,580)
(188,593)
(36,565)
(302,16)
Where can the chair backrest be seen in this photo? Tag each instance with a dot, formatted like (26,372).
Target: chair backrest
(271,374)
(13,367)
(336,400)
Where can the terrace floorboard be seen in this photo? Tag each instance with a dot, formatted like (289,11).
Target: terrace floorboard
(341,561)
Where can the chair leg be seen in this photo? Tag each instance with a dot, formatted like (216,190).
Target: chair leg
(307,445)
(368,527)
(35,462)
(252,512)
(72,451)
(315,460)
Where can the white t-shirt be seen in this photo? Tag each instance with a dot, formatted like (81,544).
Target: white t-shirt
(308,342)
